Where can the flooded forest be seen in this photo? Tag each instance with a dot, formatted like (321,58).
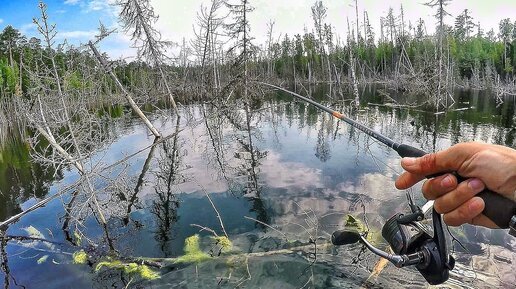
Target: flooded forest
(184,167)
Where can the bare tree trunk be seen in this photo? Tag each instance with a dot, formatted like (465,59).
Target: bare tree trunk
(21,71)
(358,26)
(353,77)
(270,27)
(126,94)
(309,71)
(352,68)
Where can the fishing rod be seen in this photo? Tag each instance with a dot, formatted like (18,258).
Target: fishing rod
(408,239)
(497,208)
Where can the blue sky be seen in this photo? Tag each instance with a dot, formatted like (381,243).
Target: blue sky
(77,20)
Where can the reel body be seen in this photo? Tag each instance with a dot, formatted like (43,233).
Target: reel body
(411,244)
(406,239)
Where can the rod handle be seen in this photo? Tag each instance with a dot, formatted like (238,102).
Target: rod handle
(497,207)
(406,151)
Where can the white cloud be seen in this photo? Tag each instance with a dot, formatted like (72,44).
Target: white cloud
(76,34)
(27,28)
(71,2)
(292,16)
(118,46)
(280,174)
(97,5)
(1,20)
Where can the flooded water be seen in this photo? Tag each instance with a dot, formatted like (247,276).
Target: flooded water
(274,178)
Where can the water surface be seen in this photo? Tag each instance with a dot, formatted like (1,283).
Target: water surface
(279,173)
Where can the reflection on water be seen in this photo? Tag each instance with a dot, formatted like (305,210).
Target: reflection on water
(20,179)
(280,176)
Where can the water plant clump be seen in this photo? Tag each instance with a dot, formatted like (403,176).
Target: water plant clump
(132,268)
(193,253)
(373,234)
(224,242)
(80,257)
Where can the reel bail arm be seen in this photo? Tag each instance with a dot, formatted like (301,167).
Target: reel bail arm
(428,253)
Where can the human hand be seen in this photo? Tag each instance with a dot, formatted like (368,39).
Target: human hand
(485,165)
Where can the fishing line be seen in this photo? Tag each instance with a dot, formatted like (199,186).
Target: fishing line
(501,210)
(428,253)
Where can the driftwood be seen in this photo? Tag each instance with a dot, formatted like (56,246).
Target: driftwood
(162,262)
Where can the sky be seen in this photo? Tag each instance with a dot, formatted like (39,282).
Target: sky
(77,20)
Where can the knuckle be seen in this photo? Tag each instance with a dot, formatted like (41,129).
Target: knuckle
(438,206)
(427,162)
(463,216)
(451,220)
(427,190)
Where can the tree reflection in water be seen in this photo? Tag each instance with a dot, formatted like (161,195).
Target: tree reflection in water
(168,174)
(293,170)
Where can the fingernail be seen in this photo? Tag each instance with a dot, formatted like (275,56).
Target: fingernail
(475,184)
(475,206)
(447,182)
(408,161)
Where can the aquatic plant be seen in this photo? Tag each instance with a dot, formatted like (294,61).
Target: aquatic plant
(33,232)
(78,238)
(42,259)
(129,268)
(193,253)
(80,257)
(224,242)
(353,223)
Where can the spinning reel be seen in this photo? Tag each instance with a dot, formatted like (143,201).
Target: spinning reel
(411,243)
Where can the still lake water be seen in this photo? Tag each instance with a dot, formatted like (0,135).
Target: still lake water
(279,176)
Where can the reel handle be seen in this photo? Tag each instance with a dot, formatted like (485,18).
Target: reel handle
(497,207)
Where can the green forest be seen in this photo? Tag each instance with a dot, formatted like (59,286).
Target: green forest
(401,53)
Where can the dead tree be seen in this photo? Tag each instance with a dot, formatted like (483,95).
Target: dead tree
(318,16)
(441,13)
(352,67)
(107,68)
(138,18)
(241,49)
(205,43)
(62,121)
(270,28)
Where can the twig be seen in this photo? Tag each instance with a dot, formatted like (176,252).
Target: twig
(215,209)
(159,141)
(248,273)
(205,229)
(268,226)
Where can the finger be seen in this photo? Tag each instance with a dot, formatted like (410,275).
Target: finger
(436,187)
(447,160)
(484,221)
(465,213)
(451,200)
(407,180)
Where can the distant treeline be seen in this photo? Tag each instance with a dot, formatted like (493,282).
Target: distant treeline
(399,53)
